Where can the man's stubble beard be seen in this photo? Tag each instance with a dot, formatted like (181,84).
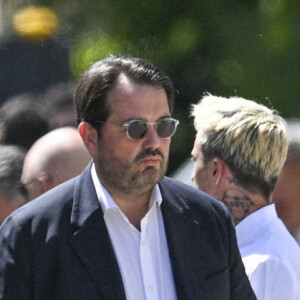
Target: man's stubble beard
(127,178)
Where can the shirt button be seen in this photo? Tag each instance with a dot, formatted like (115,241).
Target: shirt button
(143,244)
(150,288)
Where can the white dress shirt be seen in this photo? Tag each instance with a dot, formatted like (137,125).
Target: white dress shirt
(142,256)
(270,254)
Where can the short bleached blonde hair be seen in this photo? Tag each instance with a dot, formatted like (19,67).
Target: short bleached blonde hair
(251,139)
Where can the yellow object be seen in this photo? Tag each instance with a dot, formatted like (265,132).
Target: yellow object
(35,22)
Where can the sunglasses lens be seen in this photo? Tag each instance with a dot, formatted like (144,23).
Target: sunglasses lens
(137,129)
(166,128)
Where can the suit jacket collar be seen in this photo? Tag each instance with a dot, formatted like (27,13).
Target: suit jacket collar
(183,234)
(91,241)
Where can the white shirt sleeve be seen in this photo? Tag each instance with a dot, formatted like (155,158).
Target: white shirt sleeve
(275,280)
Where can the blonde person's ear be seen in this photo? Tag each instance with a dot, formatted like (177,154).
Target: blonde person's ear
(89,137)
(219,170)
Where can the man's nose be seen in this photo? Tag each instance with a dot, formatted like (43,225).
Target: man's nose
(151,138)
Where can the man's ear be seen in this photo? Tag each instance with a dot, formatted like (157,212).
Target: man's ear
(45,181)
(218,170)
(89,136)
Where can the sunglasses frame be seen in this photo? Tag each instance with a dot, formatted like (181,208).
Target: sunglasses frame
(155,124)
(126,124)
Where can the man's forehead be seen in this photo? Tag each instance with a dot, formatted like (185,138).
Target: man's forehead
(128,92)
(127,86)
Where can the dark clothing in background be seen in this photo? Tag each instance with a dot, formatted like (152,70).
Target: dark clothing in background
(31,66)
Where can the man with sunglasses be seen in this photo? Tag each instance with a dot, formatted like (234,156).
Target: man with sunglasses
(122,230)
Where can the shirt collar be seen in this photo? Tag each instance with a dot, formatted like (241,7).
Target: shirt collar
(107,202)
(248,230)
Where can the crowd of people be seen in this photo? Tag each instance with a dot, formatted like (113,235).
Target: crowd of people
(90,214)
(39,145)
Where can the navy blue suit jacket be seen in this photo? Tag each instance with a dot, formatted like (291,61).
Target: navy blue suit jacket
(57,247)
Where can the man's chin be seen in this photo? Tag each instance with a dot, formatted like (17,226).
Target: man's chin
(150,176)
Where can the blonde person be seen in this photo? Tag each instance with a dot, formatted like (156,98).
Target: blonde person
(239,150)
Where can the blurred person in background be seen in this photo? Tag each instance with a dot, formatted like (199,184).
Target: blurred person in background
(22,121)
(12,192)
(239,150)
(54,158)
(286,195)
(58,100)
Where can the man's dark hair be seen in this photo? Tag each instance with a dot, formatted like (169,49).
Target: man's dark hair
(95,84)
(22,121)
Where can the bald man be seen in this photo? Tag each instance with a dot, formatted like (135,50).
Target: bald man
(54,158)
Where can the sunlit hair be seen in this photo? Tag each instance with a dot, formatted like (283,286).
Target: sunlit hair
(249,137)
(101,77)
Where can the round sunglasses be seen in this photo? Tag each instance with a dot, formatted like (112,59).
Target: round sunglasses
(136,129)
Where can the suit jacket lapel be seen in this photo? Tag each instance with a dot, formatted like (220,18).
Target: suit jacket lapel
(91,241)
(183,241)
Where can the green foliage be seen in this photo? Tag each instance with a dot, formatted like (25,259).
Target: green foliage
(92,49)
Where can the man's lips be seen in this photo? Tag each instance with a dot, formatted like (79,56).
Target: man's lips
(152,161)
(149,155)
